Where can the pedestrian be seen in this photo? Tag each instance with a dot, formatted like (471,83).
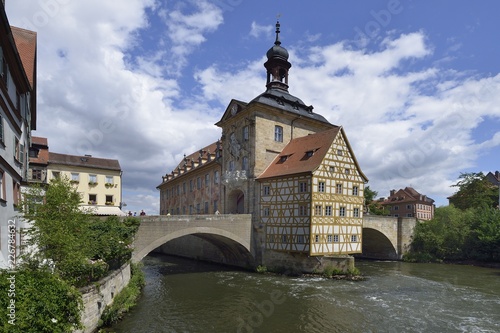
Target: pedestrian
(143,212)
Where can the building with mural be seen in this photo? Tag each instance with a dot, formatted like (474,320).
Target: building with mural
(281,162)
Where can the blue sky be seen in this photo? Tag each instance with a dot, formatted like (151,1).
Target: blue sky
(415,84)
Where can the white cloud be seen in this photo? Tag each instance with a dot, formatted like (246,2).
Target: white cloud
(257,30)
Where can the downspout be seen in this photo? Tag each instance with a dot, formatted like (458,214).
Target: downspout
(291,127)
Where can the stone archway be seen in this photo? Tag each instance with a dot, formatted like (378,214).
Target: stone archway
(376,245)
(236,202)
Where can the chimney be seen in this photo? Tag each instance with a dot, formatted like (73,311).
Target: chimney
(392,192)
(497,175)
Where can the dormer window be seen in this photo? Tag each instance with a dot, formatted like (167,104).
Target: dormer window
(309,153)
(283,158)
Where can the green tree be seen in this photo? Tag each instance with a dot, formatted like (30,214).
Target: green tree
(372,206)
(78,246)
(474,191)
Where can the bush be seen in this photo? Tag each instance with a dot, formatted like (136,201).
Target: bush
(43,303)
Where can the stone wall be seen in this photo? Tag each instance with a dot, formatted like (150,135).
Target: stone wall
(290,263)
(98,295)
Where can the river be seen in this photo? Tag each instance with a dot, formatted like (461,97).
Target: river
(189,296)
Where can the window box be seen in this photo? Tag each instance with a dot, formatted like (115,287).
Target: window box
(109,203)
(109,185)
(91,202)
(92,183)
(74,181)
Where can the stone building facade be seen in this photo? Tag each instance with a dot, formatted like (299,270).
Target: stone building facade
(408,202)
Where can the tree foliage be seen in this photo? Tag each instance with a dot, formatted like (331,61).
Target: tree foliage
(372,206)
(40,303)
(456,234)
(78,246)
(474,191)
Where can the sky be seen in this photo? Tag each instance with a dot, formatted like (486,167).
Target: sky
(415,84)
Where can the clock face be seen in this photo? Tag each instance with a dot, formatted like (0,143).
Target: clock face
(234,109)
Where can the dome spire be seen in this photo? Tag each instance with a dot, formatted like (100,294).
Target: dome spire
(277,42)
(277,64)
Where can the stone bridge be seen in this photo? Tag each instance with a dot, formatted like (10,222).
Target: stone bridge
(386,237)
(230,234)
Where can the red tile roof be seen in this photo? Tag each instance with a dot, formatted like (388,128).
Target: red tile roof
(294,158)
(26,46)
(36,140)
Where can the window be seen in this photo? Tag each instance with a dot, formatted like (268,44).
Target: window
(302,210)
(355,212)
(355,190)
(244,163)
(283,239)
(302,187)
(321,187)
(16,148)
(266,190)
(16,187)
(184,188)
(230,165)
(342,211)
(278,133)
(339,188)
(347,171)
(328,210)
(36,174)
(207,180)
(395,207)
(206,207)
(56,174)
(92,179)
(336,238)
(340,152)
(2,186)
(354,238)
(191,185)
(109,180)
(245,133)
(92,199)
(109,200)
(332,168)
(198,208)
(316,238)
(318,210)
(216,206)
(216,177)
(409,215)
(300,239)
(266,211)
(1,130)
(198,183)
(329,238)
(75,177)
(408,206)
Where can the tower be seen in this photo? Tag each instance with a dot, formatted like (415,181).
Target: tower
(277,64)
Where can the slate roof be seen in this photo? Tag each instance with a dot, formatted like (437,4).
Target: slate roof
(281,99)
(294,159)
(84,161)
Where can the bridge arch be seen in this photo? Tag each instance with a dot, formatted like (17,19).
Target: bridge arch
(230,234)
(377,245)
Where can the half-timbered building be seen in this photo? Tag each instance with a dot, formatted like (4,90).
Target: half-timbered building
(284,164)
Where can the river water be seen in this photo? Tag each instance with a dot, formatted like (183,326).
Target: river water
(189,296)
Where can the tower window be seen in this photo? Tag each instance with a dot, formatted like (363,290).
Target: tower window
(278,133)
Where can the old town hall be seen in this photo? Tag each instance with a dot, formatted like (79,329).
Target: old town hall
(284,164)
